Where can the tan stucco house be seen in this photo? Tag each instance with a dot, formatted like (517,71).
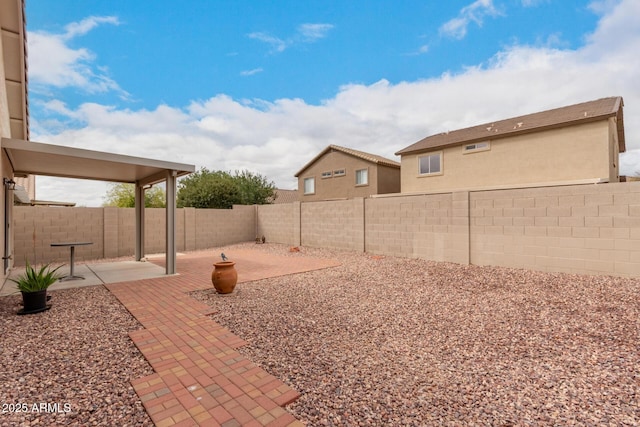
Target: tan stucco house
(570,145)
(343,173)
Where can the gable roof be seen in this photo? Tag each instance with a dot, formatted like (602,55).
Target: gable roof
(373,158)
(585,112)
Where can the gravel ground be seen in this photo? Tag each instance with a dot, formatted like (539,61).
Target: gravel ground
(405,342)
(71,365)
(377,341)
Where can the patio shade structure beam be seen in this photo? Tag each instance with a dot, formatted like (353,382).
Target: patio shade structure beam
(35,158)
(139,206)
(170,210)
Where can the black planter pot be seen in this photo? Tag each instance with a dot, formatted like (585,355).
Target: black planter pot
(34,302)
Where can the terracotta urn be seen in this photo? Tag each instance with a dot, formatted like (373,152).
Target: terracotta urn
(224,277)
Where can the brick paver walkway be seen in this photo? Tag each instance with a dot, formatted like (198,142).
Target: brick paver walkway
(200,378)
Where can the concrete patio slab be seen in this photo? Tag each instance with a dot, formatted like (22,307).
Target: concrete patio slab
(126,271)
(94,274)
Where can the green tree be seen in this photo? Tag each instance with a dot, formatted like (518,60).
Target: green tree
(254,188)
(206,189)
(123,195)
(221,190)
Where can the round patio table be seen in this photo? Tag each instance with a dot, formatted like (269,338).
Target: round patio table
(72,245)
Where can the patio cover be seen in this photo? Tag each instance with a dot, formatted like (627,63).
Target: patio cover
(36,158)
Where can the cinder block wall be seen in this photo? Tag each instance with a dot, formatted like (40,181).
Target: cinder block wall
(333,224)
(111,227)
(112,231)
(155,220)
(586,229)
(35,228)
(278,223)
(127,231)
(121,241)
(592,229)
(433,226)
(217,227)
(190,231)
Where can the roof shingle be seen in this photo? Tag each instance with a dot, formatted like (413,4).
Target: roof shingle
(285,196)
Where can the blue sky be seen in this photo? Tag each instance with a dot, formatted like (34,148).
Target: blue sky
(265,86)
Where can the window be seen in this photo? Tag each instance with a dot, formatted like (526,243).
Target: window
(478,146)
(327,174)
(309,185)
(362,177)
(339,172)
(431,164)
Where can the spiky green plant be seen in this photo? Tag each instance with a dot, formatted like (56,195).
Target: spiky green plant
(36,280)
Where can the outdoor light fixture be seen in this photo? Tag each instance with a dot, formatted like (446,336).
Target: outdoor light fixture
(9,183)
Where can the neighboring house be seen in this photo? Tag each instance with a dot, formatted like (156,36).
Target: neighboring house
(570,145)
(343,173)
(285,196)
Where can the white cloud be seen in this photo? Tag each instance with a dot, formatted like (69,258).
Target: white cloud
(313,32)
(80,192)
(305,33)
(83,27)
(53,63)
(277,44)
(475,12)
(58,107)
(533,3)
(420,51)
(277,138)
(251,72)
(456,28)
(603,6)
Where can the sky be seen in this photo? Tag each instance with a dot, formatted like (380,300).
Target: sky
(265,86)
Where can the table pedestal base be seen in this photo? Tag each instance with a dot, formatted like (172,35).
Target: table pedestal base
(65,278)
